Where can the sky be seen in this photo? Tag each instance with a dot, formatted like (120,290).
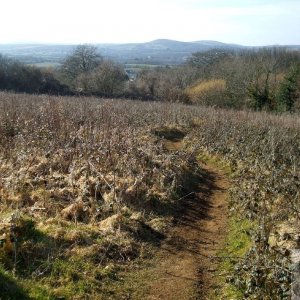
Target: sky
(246,22)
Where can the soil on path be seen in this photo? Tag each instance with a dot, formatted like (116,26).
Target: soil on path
(185,265)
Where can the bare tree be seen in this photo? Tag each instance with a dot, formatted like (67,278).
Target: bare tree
(84,59)
(106,80)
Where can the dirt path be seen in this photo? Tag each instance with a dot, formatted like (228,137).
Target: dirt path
(185,265)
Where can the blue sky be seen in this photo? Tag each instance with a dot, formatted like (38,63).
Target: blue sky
(247,22)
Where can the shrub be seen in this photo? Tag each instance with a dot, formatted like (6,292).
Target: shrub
(209,92)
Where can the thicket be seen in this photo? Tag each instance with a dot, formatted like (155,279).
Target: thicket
(259,79)
(83,72)
(86,72)
(265,79)
(252,79)
(15,76)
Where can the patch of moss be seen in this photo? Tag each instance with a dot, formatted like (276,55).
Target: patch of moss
(216,161)
(133,284)
(237,241)
(237,244)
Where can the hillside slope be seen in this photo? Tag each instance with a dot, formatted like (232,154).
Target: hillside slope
(160,52)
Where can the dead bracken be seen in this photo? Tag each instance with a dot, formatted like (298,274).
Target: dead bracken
(89,188)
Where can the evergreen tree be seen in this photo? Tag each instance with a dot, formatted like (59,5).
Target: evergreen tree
(288,90)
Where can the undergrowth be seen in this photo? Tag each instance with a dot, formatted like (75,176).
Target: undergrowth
(263,153)
(237,244)
(87,189)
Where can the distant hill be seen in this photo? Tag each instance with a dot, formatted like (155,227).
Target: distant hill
(157,52)
(160,51)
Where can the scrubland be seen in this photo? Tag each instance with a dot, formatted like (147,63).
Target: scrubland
(88,190)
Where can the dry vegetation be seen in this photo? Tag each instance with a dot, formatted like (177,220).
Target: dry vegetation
(83,178)
(263,152)
(205,91)
(86,187)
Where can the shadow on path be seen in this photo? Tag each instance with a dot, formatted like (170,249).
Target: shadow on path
(185,263)
(9,289)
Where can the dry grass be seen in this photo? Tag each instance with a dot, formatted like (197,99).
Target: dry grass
(90,178)
(207,91)
(263,152)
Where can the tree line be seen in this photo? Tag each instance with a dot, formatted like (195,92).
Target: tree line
(18,77)
(263,79)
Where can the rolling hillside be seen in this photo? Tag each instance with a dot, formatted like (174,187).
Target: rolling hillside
(157,52)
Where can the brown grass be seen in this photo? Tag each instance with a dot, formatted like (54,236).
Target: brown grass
(70,166)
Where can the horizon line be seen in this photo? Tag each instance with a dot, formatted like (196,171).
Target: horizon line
(126,43)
